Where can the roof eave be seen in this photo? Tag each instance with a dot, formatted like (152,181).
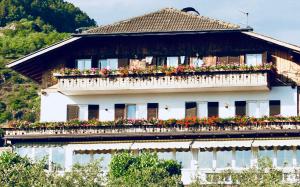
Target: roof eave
(41,51)
(161,33)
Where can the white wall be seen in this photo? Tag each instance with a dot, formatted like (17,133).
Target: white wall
(54,105)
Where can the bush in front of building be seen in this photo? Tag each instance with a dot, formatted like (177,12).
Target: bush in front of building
(146,169)
(21,171)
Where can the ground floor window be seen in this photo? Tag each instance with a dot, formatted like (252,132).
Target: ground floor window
(205,159)
(184,158)
(285,158)
(105,159)
(82,158)
(224,158)
(165,155)
(266,153)
(243,158)
(58,158)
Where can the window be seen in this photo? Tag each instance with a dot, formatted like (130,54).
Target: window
(72,112)
(119,111)
(184,158)
(284,158)
(105,159)
(298,157)
(205,159)
(172,61)
(190,109)
(84,64)
(152,111)
(224,159)
(131,111)
(213,109)
(82,158)
(165,155)
(58,160)
(274,107)
(253,59)
(111,63)
(234,59)
(93,112)
(243,158)
(161,61)
(240,108)
(197,62)
(265,153)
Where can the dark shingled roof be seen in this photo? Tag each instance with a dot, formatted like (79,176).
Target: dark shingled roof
(165,20)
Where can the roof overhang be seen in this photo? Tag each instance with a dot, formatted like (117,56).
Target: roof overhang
(292,47)
(42,51)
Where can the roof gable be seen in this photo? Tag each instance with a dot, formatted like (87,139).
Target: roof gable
(165,20)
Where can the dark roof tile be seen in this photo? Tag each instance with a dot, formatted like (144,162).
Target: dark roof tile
(165,20)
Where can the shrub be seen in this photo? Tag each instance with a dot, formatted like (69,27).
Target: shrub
(145,169)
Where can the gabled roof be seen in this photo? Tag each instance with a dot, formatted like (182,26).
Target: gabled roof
(165,20)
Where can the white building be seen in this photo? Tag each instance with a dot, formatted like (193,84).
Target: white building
(215,69)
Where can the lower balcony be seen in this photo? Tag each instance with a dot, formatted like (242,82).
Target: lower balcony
(189,128)
(192,81)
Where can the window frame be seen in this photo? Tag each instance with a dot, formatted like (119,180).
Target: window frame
(68,110)
(157,110)
(257,61)
(186,109)
(244,109)
(84,61)
(97,113)
(126,111)
(275,107)
(208,109)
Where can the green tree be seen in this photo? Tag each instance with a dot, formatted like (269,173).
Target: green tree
(146,169)
(18,171)
(64,16)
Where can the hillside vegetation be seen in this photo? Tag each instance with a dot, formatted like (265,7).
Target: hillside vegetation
(26,27)
(63,16)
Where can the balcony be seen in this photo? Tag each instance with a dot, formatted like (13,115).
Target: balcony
(207,129)
(164,82)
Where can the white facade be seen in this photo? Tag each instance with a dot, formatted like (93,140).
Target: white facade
(171,105)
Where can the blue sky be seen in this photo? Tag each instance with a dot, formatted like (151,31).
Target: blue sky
(276,18)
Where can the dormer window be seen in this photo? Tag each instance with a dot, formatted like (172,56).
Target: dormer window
(110,63)
(254,59)
(84,64)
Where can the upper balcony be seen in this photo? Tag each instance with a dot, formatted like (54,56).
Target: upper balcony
(164,79)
